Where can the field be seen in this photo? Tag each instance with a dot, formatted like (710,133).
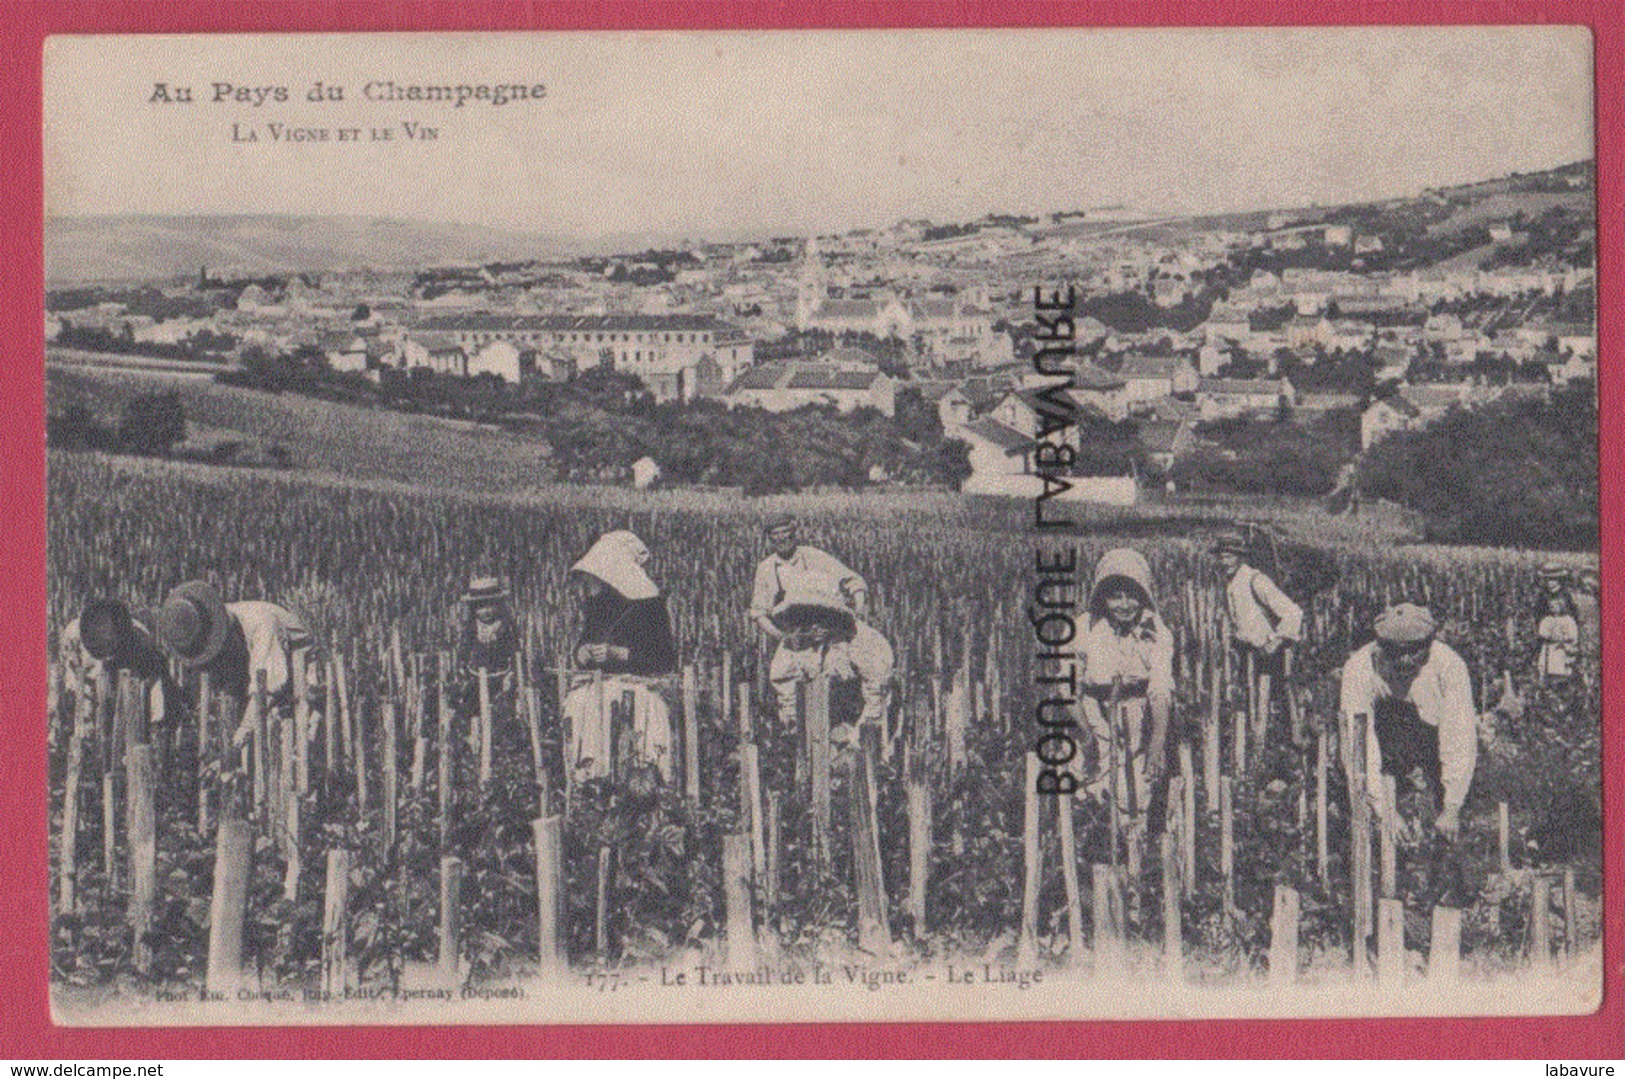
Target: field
(949,860)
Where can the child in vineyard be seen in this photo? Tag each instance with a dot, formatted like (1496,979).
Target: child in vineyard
(1568,636)
(1127,654)
(1559,632)
(626,647)
(490,642)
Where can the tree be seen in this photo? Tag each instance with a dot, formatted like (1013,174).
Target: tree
(1515,473)
(153,423)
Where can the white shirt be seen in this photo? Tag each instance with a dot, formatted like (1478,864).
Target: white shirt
(1443,695)
(272,633)
(1145,653)
(808,569)
(1259,609)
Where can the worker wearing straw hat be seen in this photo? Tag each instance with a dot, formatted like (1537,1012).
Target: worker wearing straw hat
(234,642)
(819,636)
(793,568)
(625,648)
(487,651)
(1421,726)
(108,636)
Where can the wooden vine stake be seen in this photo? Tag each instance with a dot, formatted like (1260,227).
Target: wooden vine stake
(67,865)
(484,680)
(391,776)
(451,926)
(691,734)
(234,846)
(1032,869)
(548,833)
(741,926)
(874,925)
(447,758)
(1284,938)
(1540,924)
(919,836)
(817,736)
(1108,921)
(143,851)
(1173,929)
(1360,857)
(336,925)
(1390,942)
(1444,952)
(1187,822)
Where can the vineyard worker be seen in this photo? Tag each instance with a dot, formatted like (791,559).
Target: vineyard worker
(490,634)
(795,567)
(626,647)
(233,642)
(488,648)
(1418,700)
(1557,581)
(490,637)
(1559,633)
(1264,620)
(1127,653)
(108,637)
(819,636)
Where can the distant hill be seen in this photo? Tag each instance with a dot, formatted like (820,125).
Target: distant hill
(146,247)
(1442,209)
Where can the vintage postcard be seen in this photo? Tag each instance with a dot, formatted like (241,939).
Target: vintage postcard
(822,525)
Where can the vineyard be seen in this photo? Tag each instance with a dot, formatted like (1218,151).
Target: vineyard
(407,825)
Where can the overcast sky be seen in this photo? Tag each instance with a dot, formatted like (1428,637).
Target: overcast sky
(795,132)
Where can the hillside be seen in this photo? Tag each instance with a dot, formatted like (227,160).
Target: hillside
(323,436)
(156,247)
(1447,210)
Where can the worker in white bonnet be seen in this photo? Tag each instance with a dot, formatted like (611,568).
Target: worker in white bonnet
(625,647)
(1128,658)
(1417,697)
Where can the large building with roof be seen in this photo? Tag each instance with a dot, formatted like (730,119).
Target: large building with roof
(792,384)
(678,357)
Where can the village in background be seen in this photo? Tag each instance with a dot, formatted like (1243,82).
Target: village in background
(1307,353)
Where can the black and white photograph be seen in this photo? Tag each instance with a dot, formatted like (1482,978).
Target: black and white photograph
(812,526)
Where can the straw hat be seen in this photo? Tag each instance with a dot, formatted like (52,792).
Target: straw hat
(807,608)
(483,591)
(192,623)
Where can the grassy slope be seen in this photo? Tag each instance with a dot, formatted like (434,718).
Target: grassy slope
(323,436)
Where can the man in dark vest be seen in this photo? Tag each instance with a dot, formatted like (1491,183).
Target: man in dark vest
(1420,723)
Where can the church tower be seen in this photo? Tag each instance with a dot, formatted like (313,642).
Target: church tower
(810,288)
